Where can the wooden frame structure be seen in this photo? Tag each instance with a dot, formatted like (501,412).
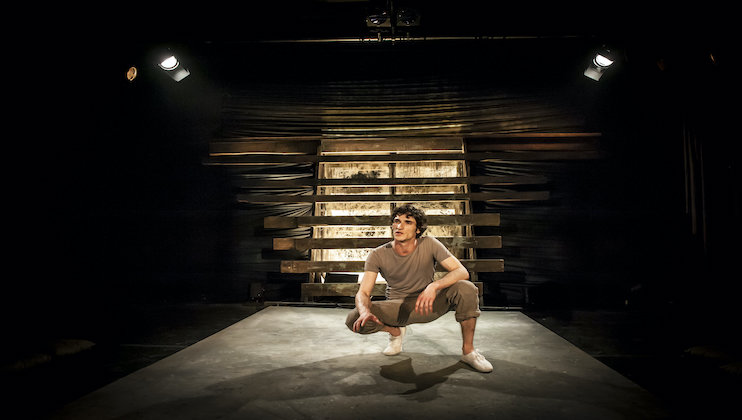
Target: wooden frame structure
(314,289)
(517,147)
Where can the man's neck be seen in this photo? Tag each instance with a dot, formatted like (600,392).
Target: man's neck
(404,248)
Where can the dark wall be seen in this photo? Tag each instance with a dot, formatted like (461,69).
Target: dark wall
(116,205)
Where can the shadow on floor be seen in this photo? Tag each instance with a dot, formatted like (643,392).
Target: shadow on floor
(696,379)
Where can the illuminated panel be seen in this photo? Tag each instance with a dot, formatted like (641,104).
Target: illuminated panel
(364,173)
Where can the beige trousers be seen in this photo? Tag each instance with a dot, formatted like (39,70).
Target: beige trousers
(463,297)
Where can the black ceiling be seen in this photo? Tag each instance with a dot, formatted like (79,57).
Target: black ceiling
(315,19)
(318,19)
(220,32)
(268,40)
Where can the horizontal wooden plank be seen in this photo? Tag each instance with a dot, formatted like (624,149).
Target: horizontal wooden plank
(291,222)
(237,160)
(234,148)
(532,135)
(310,138)
(350,289)
(533,146)
(468,137)
(535,142)
(400,198)
(451,144)
(456,242)
(314,182)
(489,265)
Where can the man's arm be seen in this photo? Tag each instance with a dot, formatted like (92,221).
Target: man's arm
(363,300)
(456,272)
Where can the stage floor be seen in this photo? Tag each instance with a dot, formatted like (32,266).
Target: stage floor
(289,362)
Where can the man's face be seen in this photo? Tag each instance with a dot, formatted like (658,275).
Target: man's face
(404,228)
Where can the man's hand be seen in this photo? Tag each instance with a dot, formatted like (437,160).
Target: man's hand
(361,321)
(424,304)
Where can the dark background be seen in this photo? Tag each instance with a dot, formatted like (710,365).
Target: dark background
(112,204)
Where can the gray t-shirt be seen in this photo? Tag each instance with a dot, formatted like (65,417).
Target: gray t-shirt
(410,274)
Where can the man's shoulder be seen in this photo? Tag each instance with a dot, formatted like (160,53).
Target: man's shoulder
(378,257)
(386,245)
(428,240)
(383,248)
(431,245)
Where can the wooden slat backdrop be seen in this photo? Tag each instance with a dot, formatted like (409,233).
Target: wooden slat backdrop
(302,266)
(427,106)
(347,182)
(492,143)
(239,160)
(350,289)
(285,222)
(400,198)
(303,244)
(268,126)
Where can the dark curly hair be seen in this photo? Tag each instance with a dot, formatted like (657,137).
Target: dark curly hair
(412,211)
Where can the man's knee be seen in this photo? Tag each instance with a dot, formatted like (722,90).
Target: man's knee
(465,296)
(466,289)
(352,318)
(369,328)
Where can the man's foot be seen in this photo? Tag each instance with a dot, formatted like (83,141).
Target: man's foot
(395,343)
(477,361)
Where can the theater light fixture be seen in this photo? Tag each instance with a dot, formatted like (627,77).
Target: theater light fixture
(408,17)
(131,74)
(600,62)
(378,19)
(172,66)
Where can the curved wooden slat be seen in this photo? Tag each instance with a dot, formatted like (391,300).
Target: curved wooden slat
(489,265)
(373,182)
(455,242)
(398,198)
(237,160)
(291,222)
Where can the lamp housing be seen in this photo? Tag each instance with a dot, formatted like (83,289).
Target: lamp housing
(600,62)
(170,64)
(408,17)
(379,19)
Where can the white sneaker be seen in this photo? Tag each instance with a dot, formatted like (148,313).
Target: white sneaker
(395,343)
(477,361)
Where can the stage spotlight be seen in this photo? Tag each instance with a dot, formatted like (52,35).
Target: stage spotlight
(170,64)
(408,17)
(131,74)
(601,61)
(379,19)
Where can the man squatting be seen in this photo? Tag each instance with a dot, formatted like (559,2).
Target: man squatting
(408,265)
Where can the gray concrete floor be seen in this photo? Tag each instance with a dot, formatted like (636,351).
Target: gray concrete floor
(300,362)
(690,373)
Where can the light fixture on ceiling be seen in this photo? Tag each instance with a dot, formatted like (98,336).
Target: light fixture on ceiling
(131,74)
(173,67)
(408,17)
(600,62)
(378,19)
